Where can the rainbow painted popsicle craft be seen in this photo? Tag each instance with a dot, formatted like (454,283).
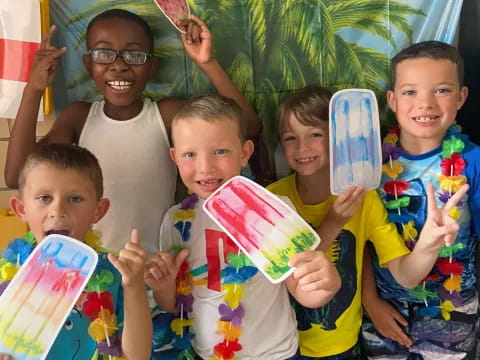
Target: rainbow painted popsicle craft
(355,146)
(267,230)
(176,11)
(40,297)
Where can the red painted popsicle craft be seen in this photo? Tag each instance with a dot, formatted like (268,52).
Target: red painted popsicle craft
(261,224)
(176,11)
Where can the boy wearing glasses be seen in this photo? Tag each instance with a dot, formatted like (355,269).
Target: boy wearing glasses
(128,134)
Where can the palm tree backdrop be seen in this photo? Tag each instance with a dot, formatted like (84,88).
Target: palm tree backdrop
(271,47)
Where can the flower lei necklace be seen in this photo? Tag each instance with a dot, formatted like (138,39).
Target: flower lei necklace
(237,272)
(451,179)
(97,302)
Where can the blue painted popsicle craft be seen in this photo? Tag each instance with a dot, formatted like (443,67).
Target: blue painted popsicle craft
(355,146)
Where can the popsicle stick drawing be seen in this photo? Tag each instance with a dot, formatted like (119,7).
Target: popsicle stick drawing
(355,147)
(263,226)
(40,297)
(176,11)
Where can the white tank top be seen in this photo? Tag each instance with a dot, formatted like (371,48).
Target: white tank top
(139,175)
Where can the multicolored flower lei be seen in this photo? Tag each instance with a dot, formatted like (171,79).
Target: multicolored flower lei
(184,298)
(236,273)
(97,301)
(451,179)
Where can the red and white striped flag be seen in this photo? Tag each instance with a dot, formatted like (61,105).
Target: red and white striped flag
(20,33)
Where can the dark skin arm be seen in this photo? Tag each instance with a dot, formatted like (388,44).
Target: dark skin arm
(198,44)
(65,130)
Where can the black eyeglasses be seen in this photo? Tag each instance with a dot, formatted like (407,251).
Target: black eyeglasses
(109,56)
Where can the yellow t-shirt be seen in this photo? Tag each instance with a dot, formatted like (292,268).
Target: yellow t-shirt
(333,328)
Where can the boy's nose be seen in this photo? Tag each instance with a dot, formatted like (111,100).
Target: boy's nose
(205,164)
(57,209)
(119,64)
(302,144)
(425,101)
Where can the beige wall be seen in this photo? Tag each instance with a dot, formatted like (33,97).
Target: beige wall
(5,126)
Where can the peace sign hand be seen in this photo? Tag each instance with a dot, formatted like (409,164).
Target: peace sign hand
(440,228)
(45,63)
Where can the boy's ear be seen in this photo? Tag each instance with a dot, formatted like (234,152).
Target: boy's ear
(462,97)
(247,152)
(18,207)
(102,207)
(172,155)
(391,100)
(87,62)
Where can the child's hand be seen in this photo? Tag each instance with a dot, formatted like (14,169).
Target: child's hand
(198,41)
(162,269)
(315,271)
(345,205)
(5,357)
(340,212)
(45,63)
(130,262)
(387,321)
(440,227)
(315,280)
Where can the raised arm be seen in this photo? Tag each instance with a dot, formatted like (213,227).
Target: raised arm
(340,212)
(23,136)
(198,44)
(137,329)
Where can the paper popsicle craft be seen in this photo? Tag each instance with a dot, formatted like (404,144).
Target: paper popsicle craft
(355,146)
(176,11)
(267,230)
(40,297)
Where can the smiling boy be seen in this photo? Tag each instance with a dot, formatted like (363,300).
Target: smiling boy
(129,135)
(439,318)
(210,147)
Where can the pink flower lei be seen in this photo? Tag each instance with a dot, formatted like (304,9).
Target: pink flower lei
(451,178)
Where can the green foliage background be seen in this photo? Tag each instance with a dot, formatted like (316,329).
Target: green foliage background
(272,47)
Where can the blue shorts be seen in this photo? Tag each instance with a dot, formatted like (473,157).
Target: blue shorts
(433,337)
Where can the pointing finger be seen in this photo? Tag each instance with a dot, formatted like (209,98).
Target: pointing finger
(135,237)
(431,203)
(453,201)
(180,258)
(45,42)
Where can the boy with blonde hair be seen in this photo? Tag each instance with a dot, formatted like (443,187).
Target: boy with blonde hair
(236,311)
(61,192)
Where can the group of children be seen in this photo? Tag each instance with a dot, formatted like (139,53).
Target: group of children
(419,292)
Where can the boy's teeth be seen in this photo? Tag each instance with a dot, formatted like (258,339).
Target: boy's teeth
(210,182)
(120,84)
(306,160)
(423,119)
